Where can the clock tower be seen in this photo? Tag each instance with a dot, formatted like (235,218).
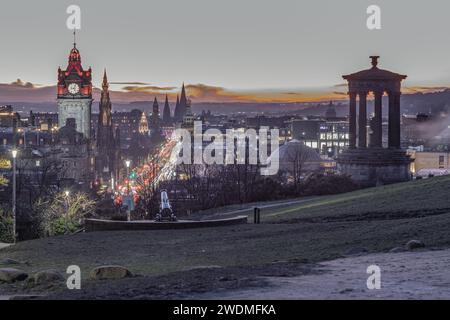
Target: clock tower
(75,94)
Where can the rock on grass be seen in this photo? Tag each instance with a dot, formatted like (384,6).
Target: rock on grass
(10,275)
(48,277)
(414,244)
(109,273)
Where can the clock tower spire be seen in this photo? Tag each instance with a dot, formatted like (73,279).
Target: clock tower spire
(74,95)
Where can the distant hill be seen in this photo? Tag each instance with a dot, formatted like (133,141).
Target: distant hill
(434,102)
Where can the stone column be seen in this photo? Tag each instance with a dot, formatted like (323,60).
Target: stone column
(394,120)
(352,120)
(378,120)
(362,121)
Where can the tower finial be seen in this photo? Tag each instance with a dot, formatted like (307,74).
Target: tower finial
(74,38)
(105,80)
(374,61)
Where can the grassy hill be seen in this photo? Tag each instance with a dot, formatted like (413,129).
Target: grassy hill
(418,198)
(319,229)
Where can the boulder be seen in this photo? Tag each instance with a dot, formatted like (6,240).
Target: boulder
(109,273)
(10,275)
(48,277)
(414,244)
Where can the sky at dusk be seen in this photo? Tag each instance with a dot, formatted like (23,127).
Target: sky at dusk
(234,50)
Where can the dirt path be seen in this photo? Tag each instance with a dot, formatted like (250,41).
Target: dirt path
(407,275)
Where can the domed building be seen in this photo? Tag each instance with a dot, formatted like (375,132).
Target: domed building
(297,160)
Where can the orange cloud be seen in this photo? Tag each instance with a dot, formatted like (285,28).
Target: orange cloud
(21,91)
(148,89)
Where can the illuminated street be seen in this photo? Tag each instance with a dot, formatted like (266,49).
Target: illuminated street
(160,166)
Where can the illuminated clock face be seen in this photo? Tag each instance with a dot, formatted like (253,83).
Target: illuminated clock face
(74,88)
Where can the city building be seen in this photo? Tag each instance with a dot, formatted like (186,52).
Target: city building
(8,117)
(128,124)
(429,163)
(143,124)
(75,94)
(328,137)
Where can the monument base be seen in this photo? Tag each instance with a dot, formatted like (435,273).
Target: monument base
(375,166)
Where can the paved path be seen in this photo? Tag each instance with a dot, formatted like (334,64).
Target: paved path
(262,206)
(3,245)
(407,275)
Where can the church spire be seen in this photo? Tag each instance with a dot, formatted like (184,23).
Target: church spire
(155,108)
(183,100)
(182,104)
(105,133)
(176,115)
(166,111)
(105,81)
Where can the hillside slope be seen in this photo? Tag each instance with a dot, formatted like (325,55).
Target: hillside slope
(289,237)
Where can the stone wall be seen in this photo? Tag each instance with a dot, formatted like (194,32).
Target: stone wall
(92,225)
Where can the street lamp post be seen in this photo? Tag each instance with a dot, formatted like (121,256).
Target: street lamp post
(128,163)
(14,155)
(67,193)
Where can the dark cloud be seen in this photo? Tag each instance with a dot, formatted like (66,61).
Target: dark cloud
(131,83)
(292,93)
(339,93)
(148,89)
(20,83)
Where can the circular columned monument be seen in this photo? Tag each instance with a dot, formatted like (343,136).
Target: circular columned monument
(369,163)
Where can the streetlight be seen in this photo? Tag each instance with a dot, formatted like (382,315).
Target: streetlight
(67,193)
(128,163)
(14,155)
(38,137)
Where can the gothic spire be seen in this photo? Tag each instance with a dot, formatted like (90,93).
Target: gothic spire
(183,104)
(177,110)
(105,134)
(105,84)
(183,100)
(166,111)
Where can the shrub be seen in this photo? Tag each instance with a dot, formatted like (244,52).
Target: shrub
(320,184)
(6,228)
(61,214)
